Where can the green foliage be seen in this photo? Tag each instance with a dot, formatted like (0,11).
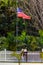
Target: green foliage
(33,43)
(41,55)
(18,56)
(11,40)
(27,41)
(7,2)
(8,20)
(4,42)
(40,39)
(21,40)
(41,33)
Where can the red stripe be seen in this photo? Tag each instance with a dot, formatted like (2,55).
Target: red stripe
(22,15)
(19,14)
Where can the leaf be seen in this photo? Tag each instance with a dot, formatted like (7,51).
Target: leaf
(18,56)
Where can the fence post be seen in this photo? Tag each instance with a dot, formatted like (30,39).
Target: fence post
(5,54)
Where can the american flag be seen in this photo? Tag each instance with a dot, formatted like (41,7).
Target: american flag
(21,14)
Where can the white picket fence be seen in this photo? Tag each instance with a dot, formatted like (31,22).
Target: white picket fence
(6,56)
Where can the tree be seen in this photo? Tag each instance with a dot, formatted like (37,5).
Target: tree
(4,43)
(11,40)
(34,7)
(18,56)
(21,40)
(41,38)
(7,17)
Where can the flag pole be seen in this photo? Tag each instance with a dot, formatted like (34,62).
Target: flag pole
(16,24)
(23,18)
(24,24)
